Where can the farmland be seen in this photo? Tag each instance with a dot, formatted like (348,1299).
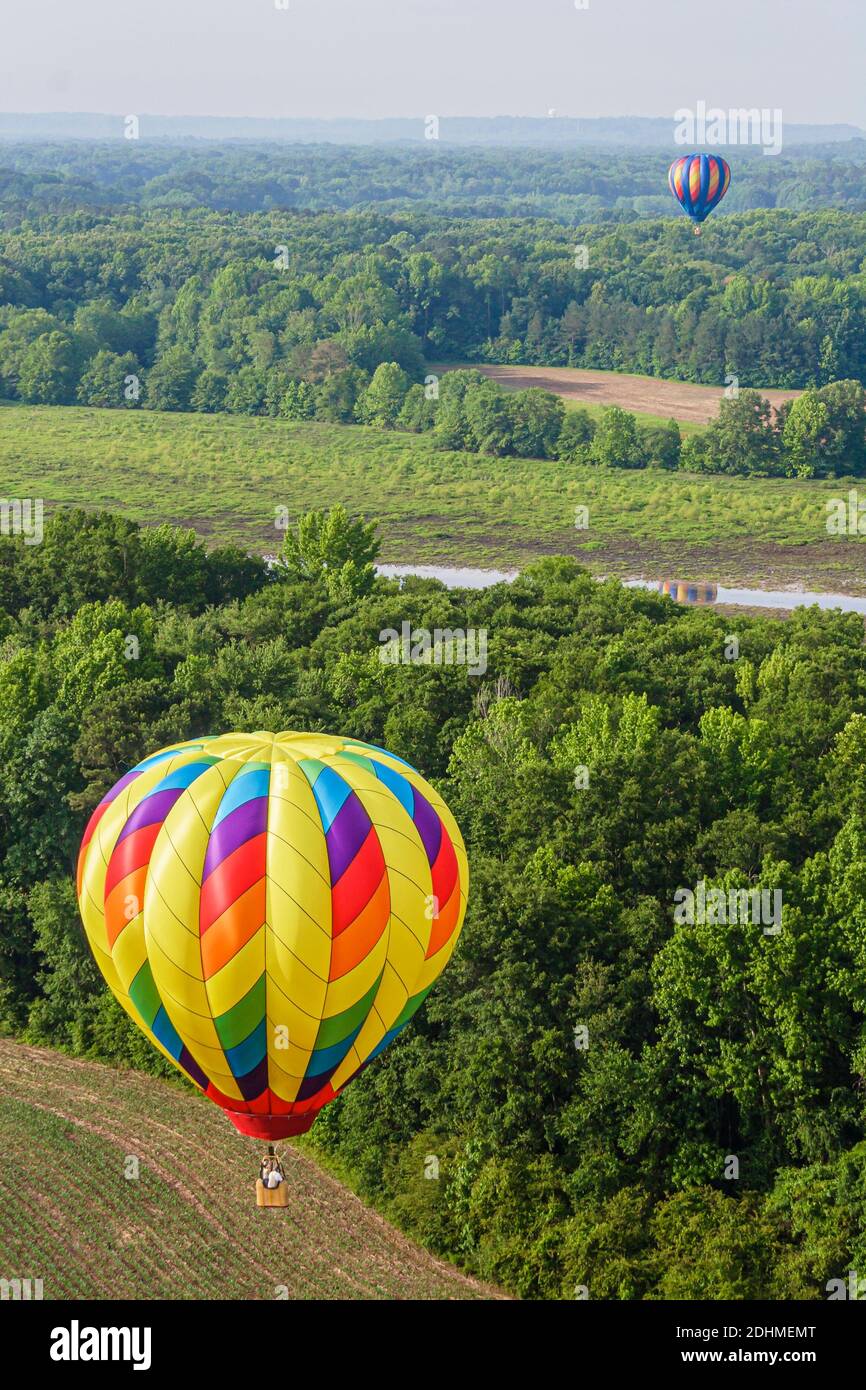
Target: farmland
(225,475)
(653,397)
(187,1227)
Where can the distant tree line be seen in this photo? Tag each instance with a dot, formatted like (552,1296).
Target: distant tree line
(613,183)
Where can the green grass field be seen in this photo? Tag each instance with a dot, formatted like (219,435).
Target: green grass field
(226,476)
(187,1226)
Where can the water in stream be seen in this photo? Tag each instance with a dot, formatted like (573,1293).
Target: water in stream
(681,591)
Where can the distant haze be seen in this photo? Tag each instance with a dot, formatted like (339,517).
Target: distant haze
(632,131)
(369,59)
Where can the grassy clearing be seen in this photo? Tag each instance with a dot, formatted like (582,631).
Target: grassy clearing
(225,475)
(188,1226)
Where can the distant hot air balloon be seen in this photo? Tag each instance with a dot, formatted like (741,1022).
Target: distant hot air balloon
(699,182)
(271,910)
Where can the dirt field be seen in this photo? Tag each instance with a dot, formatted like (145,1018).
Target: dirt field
(146,1191)
(646,395)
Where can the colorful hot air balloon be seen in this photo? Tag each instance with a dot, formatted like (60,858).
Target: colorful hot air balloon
(271,910)
(699,182)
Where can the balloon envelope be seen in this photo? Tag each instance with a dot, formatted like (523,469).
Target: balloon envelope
(271,910)
(699,182)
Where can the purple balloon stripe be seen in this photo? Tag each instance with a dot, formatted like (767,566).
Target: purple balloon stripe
(248,820)
(190,1065)
(255,1082)
(312,1085)
(349,829)
(150,811)
(428,825)
(119,787)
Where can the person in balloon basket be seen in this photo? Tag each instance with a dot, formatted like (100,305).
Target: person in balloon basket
(270,1172)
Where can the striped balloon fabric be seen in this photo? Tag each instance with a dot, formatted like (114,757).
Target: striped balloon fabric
(699,182)
(271,910)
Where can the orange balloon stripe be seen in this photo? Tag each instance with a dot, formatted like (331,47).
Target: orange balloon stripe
(117,903)
(714,179)
(231,932)
(238,872)
(357,941)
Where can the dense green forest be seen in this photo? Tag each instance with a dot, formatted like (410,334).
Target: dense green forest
(337,316)
(776,299)
(617,1099)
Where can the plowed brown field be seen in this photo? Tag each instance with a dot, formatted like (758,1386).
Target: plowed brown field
(646,395)
(187,1226)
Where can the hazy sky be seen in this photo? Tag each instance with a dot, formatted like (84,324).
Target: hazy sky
(371,58)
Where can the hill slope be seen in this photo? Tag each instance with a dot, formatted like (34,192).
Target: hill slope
(188,1228)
